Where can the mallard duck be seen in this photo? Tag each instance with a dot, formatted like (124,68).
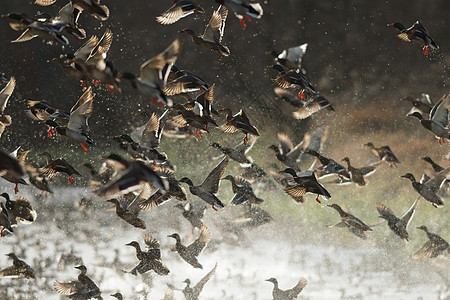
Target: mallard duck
(154,74)
(117,295)
(77,128)
(93,7)
(5,120)
(193,117)
(150,259)
(312,106)
(136,176)
(182,81)
(210,186)
(19,209)
(291,58)
(384,153)
(438,182)
(290,294)
(193,212)
(128,212)
(190,253)
(438,122)
(212,37)
(422,105)
(243,191)
(70,15)
(328,166)
(426,192)
(180,9)
(237,122)
(57,166)
(5,222)
(286,152)
(10,165)
(83,288)
(243,8)
(355,225)
(205,99)
(435,246)
(294,78)
(193,293)
(18,269)
(21,157)
(41,111)
(437,168)
(304,182)
(49,31)
(398,225)
(357,175)
(416,33)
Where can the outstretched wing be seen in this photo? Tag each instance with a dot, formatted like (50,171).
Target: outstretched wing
(211,183)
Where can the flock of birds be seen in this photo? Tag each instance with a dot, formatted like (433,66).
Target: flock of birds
(148,180)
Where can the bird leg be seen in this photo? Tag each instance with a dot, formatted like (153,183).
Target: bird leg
(317,199)
(109,87)
(441,140)
(71,179)
(426,50)
(1,232)
(213,207)
(85,148)
(206,129)
(241,19)
(50,132)
(301,94)
(16,188)
(96,82)
(220,53)
(246,139)
(248,18)
(83,85)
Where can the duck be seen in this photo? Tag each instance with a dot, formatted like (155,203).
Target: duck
(150,259)
(243,8)
(192,116)
(328,166)
(435,246)
(383,153)
(40,110)
(44,2)
(117,295)
(93,7)
(243,191)
(291,294)
(19,209)
(291,58)
(193,293)
(205,99)
(438,182)
(154,74)
(437,168)
(5,94)
(286,152)
(193,212)
(438,121)
(212,37)
(70,14)
(422,105)
(180,9)
(77,129)
(210,186)
(398,225)
(10,165)
(57,166)
(237,122)
(312,106)
(21,157)
(182,82)
(189,253)
(426,192)
(49,31)
(416,33)
(304,182)
(357,175)
(128,212)
(83,288)
(355,225)
(19,269)
(5,222)
(292,79)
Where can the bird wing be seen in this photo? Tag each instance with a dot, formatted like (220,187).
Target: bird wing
(199,286)
(285,143)
(385,211)
(171,15)
(311,107)
(11,271)
(216,26)
(6,93)
(439,113)
(151,132)
(151,242)
(78,120)
(200,243)
(85,51)
(25,36)
(44,2)
(67,288)
(424,251)
(211,183)
(407,217)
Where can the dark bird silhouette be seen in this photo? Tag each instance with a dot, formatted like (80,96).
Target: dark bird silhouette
(82,289)
(433,247)
(18,269)
(355,225)
(150,259)
(290,294)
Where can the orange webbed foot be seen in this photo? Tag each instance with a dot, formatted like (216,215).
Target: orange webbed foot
(16,188)
(83,85)
(85,148)
(50,132)
(71,179)
(242,22)
(317,199)
(301,94)
(206,129)
(426,50)
(248,18)
(95,82)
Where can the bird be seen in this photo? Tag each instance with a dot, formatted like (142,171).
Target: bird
(77,129)
(193,212)
(253,216)
(128,211)
(182,81)
(437,168)
(10,165)
(5,222)
(237,122)
(426,192)
(150,259)
(243,8)
(355,225)
(19,209)
(210,186)
(416,33)
(213,35)
(5,94)
(192,116)
(18,269)
(304,182)
(278,294)
(312,106)
(180,9)
(287,153)
(398,225)
(243,191)
(70,14)
(93,7)
(289,97)
(438,123)
(291,58)
(292,79)
(189,253)
(357,175)
(435,246)
(193,293)
(154,74)
(383,153)
(83,288)
(21,157)
(328,166)
(55,167)
(422,105)
(118,296)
